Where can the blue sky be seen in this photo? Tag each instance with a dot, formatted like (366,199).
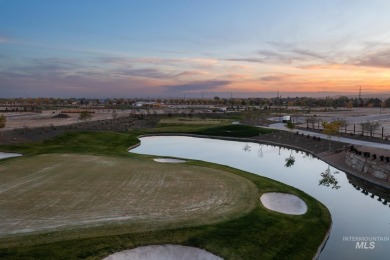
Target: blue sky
(170,48)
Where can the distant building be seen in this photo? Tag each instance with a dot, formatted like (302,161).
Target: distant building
(147,104)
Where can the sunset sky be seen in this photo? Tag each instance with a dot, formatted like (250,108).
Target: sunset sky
(169,48)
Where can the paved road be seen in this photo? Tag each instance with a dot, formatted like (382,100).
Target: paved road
(280,126)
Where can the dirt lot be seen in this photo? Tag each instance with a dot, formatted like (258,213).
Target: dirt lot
(60,191)
(354,118)
(45,119)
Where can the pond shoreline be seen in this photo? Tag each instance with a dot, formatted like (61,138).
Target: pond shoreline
(335,158)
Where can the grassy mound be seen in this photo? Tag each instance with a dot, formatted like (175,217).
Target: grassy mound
(234,131)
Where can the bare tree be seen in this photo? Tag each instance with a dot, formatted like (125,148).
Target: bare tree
(370,127)
(312,120)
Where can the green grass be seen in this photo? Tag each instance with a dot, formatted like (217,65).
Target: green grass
(260,234)
(234,131)
(107,143)
(193,121)
(226,130)
(90,188)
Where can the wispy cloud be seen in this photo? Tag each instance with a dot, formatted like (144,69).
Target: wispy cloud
(196,87)
(83,84)
(309,53)
(238,76)
(277,78)
(379,59)
(192,73)
(43,67)
(189,62)
(272,78)
(324,67)
(255,60)
(283,54)
(145,73)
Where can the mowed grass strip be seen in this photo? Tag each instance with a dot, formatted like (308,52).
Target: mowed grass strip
(193,121)
(59,191)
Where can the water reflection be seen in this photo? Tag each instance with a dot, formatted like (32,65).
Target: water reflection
(370,190)
(358,208)
(290,160)
(328,179)
(328,176)
(246,148)
(260,151)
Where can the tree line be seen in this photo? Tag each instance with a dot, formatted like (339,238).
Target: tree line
(331,102)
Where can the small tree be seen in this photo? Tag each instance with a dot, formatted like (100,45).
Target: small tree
(330,129)
(3,120)
(342,123)
(85,115)
(291,126)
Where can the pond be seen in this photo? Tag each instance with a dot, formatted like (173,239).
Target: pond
(8,155)
(357,212)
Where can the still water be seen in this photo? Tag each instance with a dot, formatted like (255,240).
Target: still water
(8,155)
(357,211)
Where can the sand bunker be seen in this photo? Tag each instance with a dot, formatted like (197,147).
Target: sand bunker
(163,252)
(168,160)
(284,203)
(8,155)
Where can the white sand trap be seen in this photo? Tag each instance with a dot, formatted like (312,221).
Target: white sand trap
(8,155)
(168,160)
(163,252)
(284,203)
